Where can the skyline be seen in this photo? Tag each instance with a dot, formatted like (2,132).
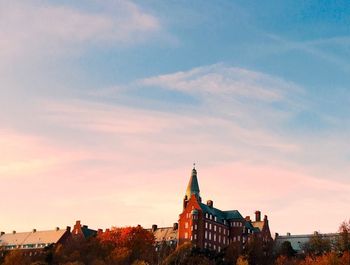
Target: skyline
(106,105)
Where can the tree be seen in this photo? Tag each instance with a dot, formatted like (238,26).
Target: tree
(242,261)
(231,253)
(253,250)
(15,257)
(318,245)
(187,255)
(343,242)
(286,250)
(129,244)
(283,260)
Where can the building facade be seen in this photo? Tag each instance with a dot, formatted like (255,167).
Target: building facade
(207,227)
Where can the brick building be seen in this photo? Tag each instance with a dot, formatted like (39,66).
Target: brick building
(208,227)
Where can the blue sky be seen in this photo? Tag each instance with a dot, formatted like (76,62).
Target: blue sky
(113,100)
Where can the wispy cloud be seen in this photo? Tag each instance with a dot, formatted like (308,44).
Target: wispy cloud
(41,27)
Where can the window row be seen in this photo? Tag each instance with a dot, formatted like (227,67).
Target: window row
(209,245)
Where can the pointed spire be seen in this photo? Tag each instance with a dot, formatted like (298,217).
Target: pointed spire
(193,187)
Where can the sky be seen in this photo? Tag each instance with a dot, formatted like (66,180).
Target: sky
(106,105)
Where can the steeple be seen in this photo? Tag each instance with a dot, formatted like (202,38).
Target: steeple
(193,187)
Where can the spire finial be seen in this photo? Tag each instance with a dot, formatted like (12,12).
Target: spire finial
(194,165)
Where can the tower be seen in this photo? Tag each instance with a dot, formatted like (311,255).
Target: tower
(192,188)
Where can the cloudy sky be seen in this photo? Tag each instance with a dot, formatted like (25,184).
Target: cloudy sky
(105,105)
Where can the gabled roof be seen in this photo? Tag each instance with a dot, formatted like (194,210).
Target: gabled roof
(259,225)
(88,232)
(165,234)
(233,214)
(221,215)
(32,238)
(250,226)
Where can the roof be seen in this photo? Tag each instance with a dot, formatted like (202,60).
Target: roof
(88,232)
(259,225)
(221,215)
(32,238)
(298,241)
(165,234)
(193,187)
(250,226)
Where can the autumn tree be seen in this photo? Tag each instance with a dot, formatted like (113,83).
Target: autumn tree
(242,261)
(16,257)
(129,244)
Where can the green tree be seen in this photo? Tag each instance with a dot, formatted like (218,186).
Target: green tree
(253,250)
(343,241)
(187,255)
(286,250)
(318,245)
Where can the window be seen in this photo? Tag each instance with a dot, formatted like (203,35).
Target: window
(209,226)
(206,234)
(195,227)
(206,215)
(209,236)
(186,225)
(214,237)
(215,228)
(219,229)
(219,248)
(214,247)
(219,239)
(206,225)
(186,235)
(215,219)
(205,244)
(195,236)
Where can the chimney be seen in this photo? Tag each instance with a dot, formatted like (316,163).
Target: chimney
(14,232)
(288,234)
(68,228)
(107,230)
(257,216)
(265,218)
(34,230)
(85,226)
(99,231)
(247,218)
(210,203)
(2,233)
(57,228)
(175,226)
(276,235)
(154,228)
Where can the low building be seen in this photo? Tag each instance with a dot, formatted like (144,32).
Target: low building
(34,242)
(298,242)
